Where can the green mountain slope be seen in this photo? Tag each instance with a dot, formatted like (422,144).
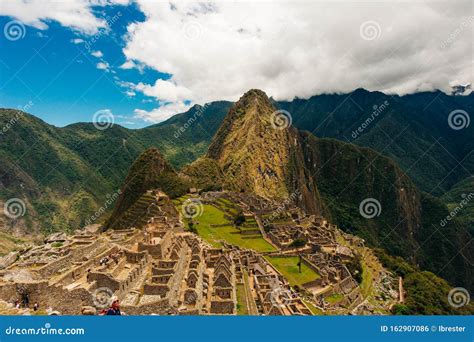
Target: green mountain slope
(64,175)
(258,156)
(255,156)
(413,130)
(460,201)
(406,222)
(150,171)
(53,168)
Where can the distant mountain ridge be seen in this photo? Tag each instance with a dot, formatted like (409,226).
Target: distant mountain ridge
(252,153)
(334,178)
(64,173)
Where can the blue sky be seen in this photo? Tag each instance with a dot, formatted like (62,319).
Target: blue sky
(143,61)
(59,74)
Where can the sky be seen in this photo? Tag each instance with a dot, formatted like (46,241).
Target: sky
(143,61)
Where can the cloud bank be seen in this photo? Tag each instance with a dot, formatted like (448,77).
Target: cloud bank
(76,14)
(217,51)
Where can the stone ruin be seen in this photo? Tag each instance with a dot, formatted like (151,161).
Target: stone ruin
(158,268)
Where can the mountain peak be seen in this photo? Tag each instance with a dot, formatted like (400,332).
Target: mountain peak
(150,171)
(258,154)
(255,93)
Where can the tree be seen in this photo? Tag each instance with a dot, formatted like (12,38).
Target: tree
(239,219)
(297,243)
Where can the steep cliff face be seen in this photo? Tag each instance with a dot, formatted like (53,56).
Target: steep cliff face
(259,152)
(204,173)
(150,171)
(396,215)
(348,175)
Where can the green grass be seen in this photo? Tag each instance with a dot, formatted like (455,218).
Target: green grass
(288,266)
(227,205)
(179,200)
(314,310)
(334,298)
(214,216)
(366,284)
(241,301)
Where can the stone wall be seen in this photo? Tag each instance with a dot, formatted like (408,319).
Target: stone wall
(160,307)
(67,302)
(103,280)
(222,307)
(154,250)
(156,290)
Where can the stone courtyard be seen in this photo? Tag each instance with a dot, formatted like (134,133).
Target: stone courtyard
(159,267)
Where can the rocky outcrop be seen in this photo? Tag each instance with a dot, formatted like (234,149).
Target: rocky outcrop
(259,152)
(8,259)
(149,172)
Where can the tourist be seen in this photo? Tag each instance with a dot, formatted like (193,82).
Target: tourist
(26,300)
(114,309)
(36,306)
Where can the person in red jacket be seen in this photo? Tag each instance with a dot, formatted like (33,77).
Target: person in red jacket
(114,309)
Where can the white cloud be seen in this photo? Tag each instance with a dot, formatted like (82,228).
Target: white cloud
(36,13)
(162,113)
(77,41)
(133,65)
(103,66)
(128,65)
(97,54)
(165,91)
(76,14)
(288,49)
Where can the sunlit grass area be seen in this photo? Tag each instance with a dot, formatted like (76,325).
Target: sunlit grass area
(288,266)
(241,301)
(213,226)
